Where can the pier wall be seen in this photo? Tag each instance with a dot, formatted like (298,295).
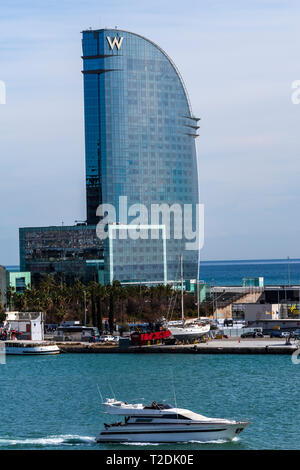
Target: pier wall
(212,347)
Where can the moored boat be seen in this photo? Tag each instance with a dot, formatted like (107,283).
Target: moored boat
(141,338)
(151,333)
(189,332)
(183,330)
(30,348)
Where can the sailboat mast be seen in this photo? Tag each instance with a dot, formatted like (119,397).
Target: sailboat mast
(198,300)
(181,272)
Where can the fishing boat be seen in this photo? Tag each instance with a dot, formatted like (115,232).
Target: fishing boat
(149,333)
(30,348)
(139,338)
(183,330)
(164,423)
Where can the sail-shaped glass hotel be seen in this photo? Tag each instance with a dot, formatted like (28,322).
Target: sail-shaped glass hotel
(140,143)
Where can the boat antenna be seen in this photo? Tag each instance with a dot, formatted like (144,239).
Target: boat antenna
(181,275)
(138,398)
(198,290)
(100,393)
(173,300)
(112,390)
(198,300)
(175,400)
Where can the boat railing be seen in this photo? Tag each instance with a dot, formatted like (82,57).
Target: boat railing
(20,344)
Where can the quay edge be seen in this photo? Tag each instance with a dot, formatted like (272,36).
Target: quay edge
(186,349)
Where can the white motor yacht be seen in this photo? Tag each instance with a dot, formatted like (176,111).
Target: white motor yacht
(163,423)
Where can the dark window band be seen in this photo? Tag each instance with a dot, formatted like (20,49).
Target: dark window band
(161,431)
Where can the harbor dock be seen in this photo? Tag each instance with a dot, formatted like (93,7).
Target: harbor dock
(225,346)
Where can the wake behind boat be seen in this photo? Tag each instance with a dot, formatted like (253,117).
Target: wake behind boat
(163,423)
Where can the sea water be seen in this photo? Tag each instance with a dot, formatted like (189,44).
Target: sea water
(53,402)
(228,273)
(274,271)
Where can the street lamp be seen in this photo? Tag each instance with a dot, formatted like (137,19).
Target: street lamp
(84,297)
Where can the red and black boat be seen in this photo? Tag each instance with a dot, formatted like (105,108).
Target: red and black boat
(151,333)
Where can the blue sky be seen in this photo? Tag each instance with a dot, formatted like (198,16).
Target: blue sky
(238,60)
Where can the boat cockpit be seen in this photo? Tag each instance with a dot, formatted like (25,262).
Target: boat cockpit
(158,406)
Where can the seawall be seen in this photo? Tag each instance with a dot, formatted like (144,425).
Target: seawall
(211,347)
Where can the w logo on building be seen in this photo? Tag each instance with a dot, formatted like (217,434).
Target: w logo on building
(114,42)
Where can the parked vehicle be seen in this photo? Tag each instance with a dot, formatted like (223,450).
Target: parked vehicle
(252,334)
(94,339)
(106,339)
(279,334)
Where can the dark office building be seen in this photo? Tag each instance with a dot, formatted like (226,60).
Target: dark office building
(69,253)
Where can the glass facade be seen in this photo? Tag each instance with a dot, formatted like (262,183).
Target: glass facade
(69,253)
(139,136)
(141,260)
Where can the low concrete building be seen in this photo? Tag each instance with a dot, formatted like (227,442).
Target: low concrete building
(27,325)
(225,297)
(284,324)
(18,280)
(266,316)
(76,333)
(252,312)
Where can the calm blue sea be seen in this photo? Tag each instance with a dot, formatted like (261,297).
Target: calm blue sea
(275,271)
(53,402)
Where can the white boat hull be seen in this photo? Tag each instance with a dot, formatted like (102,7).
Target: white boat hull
(188,332)
(23,348)
(186,433)
(30,352)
